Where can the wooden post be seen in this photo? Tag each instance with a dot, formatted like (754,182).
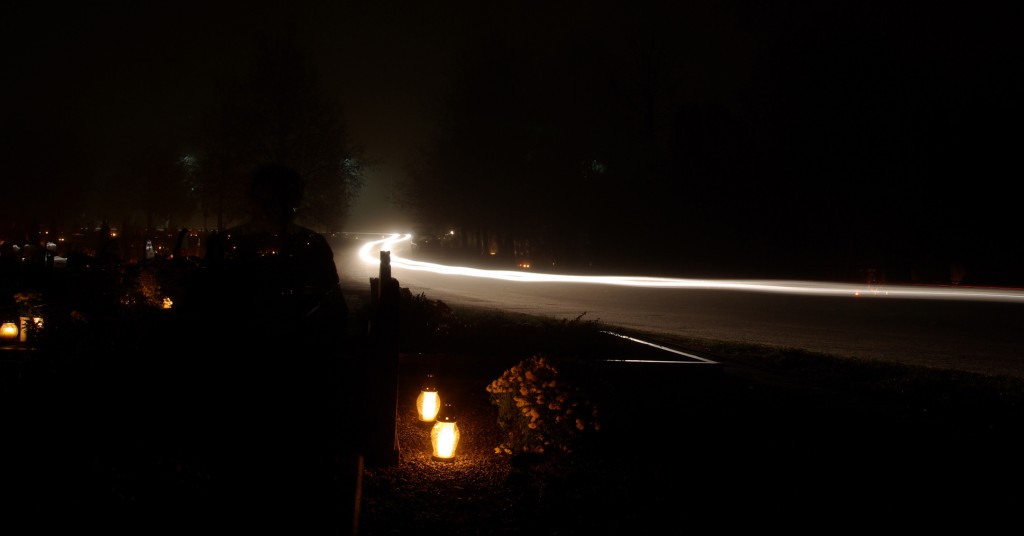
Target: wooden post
(382,370)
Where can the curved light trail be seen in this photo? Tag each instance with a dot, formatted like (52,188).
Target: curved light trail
(370,254)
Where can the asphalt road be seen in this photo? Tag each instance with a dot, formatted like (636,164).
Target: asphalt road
(971,335)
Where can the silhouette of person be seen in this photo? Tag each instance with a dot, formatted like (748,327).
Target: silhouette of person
(275,391)
(282,274)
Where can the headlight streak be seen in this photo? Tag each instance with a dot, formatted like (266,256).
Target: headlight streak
(367,251)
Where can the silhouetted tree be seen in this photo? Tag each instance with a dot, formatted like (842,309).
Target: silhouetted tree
(558,139)
(159,185)
(278,112)
(45,176)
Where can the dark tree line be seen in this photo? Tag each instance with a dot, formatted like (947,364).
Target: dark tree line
(821,142)
(278,112)
(177,156)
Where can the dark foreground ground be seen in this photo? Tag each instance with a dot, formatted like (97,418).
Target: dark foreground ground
(761,439)
(734,446)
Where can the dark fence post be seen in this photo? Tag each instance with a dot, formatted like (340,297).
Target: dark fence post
(382,370)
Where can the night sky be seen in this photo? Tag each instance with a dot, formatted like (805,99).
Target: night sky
(879,115)
(90,79)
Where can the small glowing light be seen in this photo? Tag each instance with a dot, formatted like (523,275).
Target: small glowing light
(28,324)
(444,436)
(428,403)
(167,303)
(8,331)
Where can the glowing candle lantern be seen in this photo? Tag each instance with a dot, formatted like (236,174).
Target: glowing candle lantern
(28,324)
(428,402)
(444,436)
(8,331)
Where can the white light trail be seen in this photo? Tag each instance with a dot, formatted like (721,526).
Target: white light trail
(370,253)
